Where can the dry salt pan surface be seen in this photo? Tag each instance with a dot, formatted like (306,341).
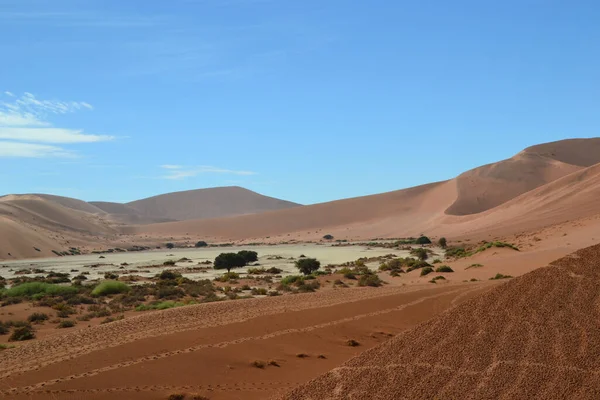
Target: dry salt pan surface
(280,256)
(535,337)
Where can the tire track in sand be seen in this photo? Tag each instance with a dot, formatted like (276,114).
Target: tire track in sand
(41,385)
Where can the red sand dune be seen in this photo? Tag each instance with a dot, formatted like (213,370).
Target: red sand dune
(528,191)
(537,336)
(541,186)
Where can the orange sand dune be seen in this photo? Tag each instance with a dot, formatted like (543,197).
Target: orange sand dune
(207,203)
(540,186)
(536,336)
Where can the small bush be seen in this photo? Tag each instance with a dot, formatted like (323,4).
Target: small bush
(22,333)
(37,318)
(167,275)
(32,288)
(444,268)
(259,364)
(67,323)
(169,245)
(228,276)
(443,242)
(500,276)
(110,287)
(352,343)
(370,280)
(426,271)
(176,396)
(302,355)
(437,278)
(328,237)
(259,292)
(201,243)
(288,280)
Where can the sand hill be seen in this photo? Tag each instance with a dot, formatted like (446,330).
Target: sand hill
(541,185)
(207,203)
(536,336)
(36,224)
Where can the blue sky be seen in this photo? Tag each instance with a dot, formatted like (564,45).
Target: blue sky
(306,100)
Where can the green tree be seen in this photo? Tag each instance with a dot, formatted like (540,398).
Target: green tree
(249,256)
(201,243)
(229,261)
(420,253)
(442,242)
(170,245)
(308,265)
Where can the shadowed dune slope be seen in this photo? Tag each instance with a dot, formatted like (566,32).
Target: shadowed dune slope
(21,241)
(207,203)
(566,199)
(537,336)
(491,185)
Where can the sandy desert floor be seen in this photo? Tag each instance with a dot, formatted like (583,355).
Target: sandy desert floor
(210,349)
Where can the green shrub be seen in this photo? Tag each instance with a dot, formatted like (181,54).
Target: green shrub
(67,323)
(444,268)
(169,245)
(259,292)
(22,333)
(370,280)
(110,287)
(228,276)
(426,271)
(443,242)
(32,288)
(308,265)
(311,286)
(201,243)
(167,275)
(288,280)
(37,317)
(456,252)
(500,276)
(474,266)
(328,237)
(420,253)
(437,278)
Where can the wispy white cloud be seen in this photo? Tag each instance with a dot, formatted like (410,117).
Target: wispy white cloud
(9,94)
(31,150)
(25,119)
(170,166)
(50,135)
(178,172)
